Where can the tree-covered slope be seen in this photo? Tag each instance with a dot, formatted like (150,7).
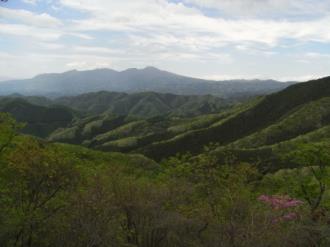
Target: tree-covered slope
(102,111)
(146,104)
(128,133)
(267,112)
(304,119)
(39,120)
(113,133)
(66,195)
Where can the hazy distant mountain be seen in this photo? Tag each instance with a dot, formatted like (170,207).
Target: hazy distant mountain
(5,78)
(134,80)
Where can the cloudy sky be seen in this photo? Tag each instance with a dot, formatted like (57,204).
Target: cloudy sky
(218,39)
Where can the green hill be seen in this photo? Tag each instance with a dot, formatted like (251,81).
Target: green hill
(304,119)
(127,133)
(40,120)
(146,104)
(282,106)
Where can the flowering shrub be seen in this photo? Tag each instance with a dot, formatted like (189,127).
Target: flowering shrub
(282,203)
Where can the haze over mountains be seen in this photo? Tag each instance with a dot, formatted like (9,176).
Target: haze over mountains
(5,78)
(135,80)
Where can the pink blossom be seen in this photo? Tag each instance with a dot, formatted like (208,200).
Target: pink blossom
(280,201)
(286,217)
(290,216)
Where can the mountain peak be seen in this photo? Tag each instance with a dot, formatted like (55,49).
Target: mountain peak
(146,69)
(151,68)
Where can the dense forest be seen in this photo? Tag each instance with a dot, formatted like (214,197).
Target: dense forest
(153,170)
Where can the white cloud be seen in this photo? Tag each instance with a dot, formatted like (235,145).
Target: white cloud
(30,31)
(175,36)
(31,1)
(224,77)
(176,23)
(267,8)
(317,55)
(84,65)
(95,50)
(302,78)
(49,46)
(27,17)
(28,64)
(42,27)
(299,78)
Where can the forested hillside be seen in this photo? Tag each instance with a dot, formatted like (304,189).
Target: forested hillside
(256,125)
(275,111)
(39,120)
(148,104)
(64,195)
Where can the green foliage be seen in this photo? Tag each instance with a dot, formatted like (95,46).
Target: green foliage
(40,182)
(275,118)
(8,130)
(314,180)
(306,118)
(40,120)
(66,195)
(35,183)
(146,105)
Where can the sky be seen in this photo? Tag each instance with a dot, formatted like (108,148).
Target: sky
(212,39)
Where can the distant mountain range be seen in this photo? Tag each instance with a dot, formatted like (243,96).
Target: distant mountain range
(135,80)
